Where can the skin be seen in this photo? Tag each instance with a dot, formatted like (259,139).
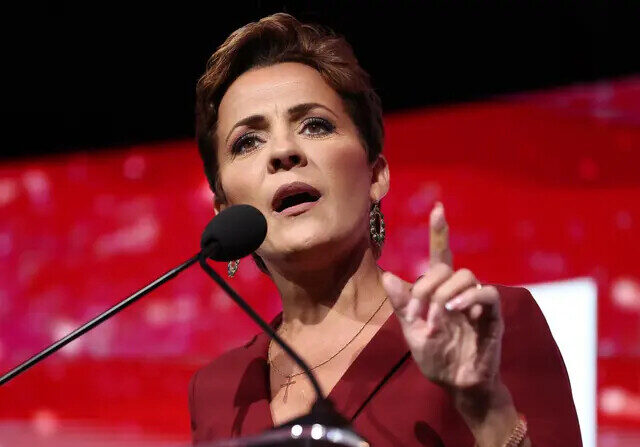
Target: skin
(323,262)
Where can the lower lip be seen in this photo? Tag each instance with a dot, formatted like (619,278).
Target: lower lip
(297,209)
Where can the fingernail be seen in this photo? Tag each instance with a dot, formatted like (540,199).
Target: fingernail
(449,306)
(453,303)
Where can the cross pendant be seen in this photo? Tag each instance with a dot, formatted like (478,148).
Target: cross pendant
(286,388)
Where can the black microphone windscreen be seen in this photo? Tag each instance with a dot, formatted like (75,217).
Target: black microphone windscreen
(234,233)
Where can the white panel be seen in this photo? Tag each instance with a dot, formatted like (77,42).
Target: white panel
(570,308)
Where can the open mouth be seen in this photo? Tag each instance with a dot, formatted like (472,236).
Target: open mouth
(296,199)
(294,196)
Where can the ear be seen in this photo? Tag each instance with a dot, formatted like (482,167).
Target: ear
(219,197)
(379,179)
(218,204)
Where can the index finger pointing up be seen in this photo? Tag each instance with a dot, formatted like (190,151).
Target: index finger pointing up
(439,250)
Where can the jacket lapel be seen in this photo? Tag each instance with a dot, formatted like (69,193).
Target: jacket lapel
(370,369)
(252,394)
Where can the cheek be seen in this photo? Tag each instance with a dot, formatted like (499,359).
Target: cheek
(350,172)
(350,181)
(239,183)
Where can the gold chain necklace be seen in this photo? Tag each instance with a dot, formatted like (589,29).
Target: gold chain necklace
(290,382)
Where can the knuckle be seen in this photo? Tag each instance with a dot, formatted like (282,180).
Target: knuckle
(418,286)
(492,291)
(466,275)
(422,287)
(443,269)
(440,295)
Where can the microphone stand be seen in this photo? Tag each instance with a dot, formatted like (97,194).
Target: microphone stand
(97,320)
(322,411)
(216,229)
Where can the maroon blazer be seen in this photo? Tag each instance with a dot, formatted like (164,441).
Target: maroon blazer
(389,401)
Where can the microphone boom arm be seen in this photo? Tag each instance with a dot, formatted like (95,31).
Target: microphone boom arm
(97,320)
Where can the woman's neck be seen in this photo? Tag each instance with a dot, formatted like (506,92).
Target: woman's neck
(347,288)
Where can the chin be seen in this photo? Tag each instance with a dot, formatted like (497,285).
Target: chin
(311,245)
(305,239)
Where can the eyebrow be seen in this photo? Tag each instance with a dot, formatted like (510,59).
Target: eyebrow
(294,113)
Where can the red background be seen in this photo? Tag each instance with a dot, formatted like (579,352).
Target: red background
(536,187)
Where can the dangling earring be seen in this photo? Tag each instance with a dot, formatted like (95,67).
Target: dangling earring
(377,235)
(232,267)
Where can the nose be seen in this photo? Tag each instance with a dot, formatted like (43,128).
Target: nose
(285,156)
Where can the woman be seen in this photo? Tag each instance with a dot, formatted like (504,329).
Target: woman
(288,122)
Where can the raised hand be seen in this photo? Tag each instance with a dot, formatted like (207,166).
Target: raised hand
(454,328)
(452,324)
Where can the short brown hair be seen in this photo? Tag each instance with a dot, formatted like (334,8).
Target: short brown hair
(281,38)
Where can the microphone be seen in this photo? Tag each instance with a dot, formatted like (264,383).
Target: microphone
(232,234)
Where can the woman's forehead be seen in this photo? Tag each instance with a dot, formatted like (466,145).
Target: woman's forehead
(273,90)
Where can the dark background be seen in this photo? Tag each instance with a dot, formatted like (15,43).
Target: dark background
(86,75)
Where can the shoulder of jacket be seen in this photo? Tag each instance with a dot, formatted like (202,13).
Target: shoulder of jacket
(227,359)
(516,301)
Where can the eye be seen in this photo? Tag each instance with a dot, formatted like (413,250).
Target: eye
(316,127)
(245,144)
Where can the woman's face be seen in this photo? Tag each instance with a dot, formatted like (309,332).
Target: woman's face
(287,146)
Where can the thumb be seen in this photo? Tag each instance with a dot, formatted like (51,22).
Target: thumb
(398,293)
